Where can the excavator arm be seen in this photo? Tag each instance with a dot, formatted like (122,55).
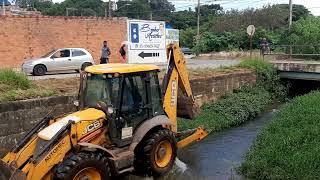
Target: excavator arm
(177,77)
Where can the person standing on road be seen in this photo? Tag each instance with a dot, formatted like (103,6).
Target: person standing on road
(123,51)
(105,53)
(264,47)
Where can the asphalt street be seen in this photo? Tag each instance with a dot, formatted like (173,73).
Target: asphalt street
(191,64)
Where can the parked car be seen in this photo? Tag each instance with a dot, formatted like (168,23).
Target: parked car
(186,50)
(64,59)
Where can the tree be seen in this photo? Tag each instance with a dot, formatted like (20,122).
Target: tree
(187,37)
(306,32)
(298,11)
(183,19)
(161,6)
(207,12)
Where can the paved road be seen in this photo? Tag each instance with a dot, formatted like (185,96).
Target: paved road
(191,64)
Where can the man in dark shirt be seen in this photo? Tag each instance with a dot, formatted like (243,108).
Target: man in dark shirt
(264,46)
(105,53)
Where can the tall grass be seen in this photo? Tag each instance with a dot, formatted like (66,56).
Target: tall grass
(233,110)
(15,86)
(289,147)
(242,105)
(267,77)
(14,80)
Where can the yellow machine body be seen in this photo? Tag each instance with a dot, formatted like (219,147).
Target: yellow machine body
(54,139)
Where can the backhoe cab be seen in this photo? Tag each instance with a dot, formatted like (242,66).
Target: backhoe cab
(125,123)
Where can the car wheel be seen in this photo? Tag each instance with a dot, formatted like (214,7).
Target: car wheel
(84,65)
(39,70)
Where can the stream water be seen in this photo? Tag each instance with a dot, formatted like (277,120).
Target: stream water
(217,156)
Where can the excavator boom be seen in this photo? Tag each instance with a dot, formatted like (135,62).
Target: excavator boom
(177,77)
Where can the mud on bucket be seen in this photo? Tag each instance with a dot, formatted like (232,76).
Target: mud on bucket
(7,172)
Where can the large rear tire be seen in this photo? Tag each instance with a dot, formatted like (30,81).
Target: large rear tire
(156,153)
(93,166)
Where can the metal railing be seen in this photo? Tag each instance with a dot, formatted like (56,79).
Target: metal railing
(293,51)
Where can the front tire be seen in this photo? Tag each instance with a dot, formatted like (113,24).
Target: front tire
(156,153)
(83,166)
(39,70)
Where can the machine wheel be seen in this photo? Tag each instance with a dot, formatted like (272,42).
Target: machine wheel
(39,70)
(84,65)
(83,166)
(157,153)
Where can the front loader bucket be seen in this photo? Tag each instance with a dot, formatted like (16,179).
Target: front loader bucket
(10,173)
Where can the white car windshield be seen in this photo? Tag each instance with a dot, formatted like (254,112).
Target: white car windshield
(48,54)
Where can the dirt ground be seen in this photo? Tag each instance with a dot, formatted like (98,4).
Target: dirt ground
(68,86)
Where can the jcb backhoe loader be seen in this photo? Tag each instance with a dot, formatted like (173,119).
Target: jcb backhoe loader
(124,124)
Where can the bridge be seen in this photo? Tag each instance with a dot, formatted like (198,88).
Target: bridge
(296,69)
(304,70)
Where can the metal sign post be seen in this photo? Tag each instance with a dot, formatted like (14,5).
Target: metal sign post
(251,30)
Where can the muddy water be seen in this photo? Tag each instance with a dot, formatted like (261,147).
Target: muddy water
(216,157)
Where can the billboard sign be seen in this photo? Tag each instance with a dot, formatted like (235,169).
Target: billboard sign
(147,41)
(172,36)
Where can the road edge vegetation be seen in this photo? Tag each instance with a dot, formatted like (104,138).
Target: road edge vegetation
(288,147)
(16,86)
(244,104)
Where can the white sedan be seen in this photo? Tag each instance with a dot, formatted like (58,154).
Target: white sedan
(64,59)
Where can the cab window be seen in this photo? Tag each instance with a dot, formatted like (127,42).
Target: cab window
(134,99)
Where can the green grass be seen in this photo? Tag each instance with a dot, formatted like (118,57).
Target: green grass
(12,79)
(233,110)
(16,86)
(242,105)
(289,147)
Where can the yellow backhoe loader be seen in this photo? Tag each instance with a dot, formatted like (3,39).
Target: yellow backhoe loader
(125,123)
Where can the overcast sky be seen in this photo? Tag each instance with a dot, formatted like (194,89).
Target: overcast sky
(312,5)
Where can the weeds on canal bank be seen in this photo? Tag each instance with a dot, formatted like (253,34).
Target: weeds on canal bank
(16,86)
(242,105)
(288,148)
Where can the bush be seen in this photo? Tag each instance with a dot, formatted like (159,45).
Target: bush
(244,104)
(267,77)
(13,79)
(16,86)
(234,109)
(306,32)
(288,148)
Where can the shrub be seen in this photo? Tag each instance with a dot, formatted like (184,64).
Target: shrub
(16,86)
(288,148)
(306,32)
(234,109)
(14,79)
(242,105)
(267,77)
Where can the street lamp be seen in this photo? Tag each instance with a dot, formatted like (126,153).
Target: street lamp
(70,9)
(117,9)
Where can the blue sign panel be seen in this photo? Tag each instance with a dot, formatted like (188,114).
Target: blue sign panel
(134,33)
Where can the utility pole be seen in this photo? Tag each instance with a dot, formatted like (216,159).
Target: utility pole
(110,3)
(198,22)
(105,10)
(290,15)
(3,8)
(290,26)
